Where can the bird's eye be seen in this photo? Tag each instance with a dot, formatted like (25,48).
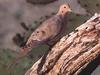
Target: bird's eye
(64,6)
(37,31)
(43,32)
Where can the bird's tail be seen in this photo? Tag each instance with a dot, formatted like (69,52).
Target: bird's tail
(23,52)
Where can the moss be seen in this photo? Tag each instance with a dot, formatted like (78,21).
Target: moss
(91,6)
(74,20)
(7,56)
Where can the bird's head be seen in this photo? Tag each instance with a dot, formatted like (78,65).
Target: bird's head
(65,8)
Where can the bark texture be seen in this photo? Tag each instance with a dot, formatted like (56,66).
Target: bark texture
(73,52)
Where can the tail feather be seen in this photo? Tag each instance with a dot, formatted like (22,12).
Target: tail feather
(23,52)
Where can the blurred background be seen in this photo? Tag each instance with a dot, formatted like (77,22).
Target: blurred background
(19,18)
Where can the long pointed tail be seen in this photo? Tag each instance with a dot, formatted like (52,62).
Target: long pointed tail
(23,52)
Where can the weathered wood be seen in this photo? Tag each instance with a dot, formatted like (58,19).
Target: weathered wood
(73,52)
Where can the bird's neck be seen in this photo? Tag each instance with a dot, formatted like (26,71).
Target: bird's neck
(61,15)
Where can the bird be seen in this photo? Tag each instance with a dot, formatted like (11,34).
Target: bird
(49,32)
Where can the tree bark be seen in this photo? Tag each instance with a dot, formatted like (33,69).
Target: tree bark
(73,52)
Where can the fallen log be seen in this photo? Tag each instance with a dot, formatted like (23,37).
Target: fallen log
(73,53)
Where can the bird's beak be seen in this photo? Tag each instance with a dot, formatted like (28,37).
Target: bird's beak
(70,10)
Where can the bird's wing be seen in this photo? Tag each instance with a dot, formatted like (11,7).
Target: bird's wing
(46,31)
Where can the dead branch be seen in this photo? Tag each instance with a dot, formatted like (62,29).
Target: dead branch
(73,52)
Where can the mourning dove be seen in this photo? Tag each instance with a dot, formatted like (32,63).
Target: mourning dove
(48,30)
(47,33)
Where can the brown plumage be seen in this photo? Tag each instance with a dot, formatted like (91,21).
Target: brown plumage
(49,29)
(48,32)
